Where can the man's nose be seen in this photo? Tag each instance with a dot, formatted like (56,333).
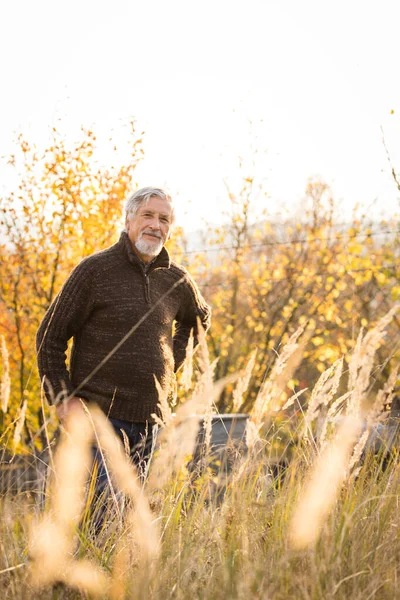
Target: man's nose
(155,223)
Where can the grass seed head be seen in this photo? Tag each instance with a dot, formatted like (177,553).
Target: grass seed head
(20,424)
(243,383)
(86,576)
(362,362)
(320,491)
(72,463)
(144,526)
(271,391)
(187,371)
(5,385)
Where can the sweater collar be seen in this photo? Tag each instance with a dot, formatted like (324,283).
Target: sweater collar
(161,260)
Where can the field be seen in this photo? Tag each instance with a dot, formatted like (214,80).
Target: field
(303,286)
(311,510)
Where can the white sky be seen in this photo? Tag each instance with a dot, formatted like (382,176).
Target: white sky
(322,76)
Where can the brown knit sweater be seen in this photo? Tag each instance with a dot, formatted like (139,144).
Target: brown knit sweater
(106,296)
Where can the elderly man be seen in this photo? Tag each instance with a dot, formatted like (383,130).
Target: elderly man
(119,306)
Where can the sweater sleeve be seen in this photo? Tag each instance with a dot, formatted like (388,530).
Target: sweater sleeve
(194,306)
(66,315)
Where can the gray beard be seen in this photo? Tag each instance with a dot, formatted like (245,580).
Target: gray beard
(149,248)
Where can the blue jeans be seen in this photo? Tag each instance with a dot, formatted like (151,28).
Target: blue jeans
(139,436)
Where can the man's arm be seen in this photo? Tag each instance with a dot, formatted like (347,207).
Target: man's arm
(194,307)
(64,318)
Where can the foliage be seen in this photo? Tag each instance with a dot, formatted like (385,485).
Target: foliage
(264,278)
(64,208)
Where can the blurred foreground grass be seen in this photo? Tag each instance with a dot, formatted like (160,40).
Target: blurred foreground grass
(318,520)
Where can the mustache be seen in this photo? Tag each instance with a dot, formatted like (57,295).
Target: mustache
(155,234)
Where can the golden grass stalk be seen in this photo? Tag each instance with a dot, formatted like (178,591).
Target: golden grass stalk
(140,517)
(243,383)
(204,385)
(177,439)
(383,397)
(375,414)
(87,577)
(72,463)
(19,425)
(175,448)
(49,551)
(165,410)
(52,539)
(208,394)
(323,392)
(5,385)
(358,449)
(121,567)
(252,434)
(270,395)
(320,492)
(176,442)
(362,362)
(335,408)
(290,401)
(187,371)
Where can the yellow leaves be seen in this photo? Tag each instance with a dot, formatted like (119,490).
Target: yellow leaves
(348,305)
(329,313)
(249,321)
(65,207)
(340,283)
(396,292)
(381,277)
(262,279)
(278,273)
(327,354)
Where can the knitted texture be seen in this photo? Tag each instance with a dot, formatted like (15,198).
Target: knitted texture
(120,314)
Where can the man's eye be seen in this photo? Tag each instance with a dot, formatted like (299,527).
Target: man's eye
(165,219)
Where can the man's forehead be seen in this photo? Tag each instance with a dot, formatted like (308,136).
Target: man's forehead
(155,203)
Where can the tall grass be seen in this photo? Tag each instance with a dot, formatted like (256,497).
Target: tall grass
(307,512)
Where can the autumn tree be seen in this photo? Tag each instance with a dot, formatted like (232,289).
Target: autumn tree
(266,279)
(65,207)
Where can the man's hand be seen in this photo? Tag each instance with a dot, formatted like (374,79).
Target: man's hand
(68,408)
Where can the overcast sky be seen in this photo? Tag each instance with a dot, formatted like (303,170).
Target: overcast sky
(318,80)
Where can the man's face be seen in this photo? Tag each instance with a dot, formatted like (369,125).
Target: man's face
(149,229)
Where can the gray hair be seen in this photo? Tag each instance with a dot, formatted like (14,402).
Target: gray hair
(142,196)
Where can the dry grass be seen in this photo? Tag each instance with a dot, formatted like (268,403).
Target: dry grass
(328,527)
(5,378)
